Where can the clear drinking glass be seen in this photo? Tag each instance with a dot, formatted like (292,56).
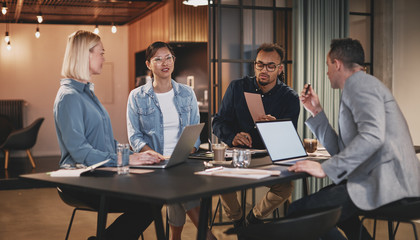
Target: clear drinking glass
(123,153)
(241,158)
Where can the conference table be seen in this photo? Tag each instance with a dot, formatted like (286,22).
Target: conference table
(163,186)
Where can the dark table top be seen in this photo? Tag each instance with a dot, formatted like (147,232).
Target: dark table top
(176,184)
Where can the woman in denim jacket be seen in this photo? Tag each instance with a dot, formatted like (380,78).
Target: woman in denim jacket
(157,112)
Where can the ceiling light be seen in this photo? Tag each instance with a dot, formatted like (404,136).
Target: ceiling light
(196,3)
(9,46)
(39,17)
(4,8)
(96,31)
(37,33)
(7,37)
(113,28)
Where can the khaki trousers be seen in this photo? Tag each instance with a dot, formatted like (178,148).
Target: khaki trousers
(277,194)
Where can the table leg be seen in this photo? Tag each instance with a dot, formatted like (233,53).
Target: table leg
(203,219)
(305,186)
(157,215)
(102,216)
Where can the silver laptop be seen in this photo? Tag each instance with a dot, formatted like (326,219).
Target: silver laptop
(283,142)
(182,149)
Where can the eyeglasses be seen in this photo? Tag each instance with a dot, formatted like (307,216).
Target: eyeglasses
(168,59)
(271,67)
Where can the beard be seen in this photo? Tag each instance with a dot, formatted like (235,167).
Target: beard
(261,83)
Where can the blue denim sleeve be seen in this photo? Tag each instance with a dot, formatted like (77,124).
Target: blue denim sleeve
(71,130)
(135,136)
(195,116)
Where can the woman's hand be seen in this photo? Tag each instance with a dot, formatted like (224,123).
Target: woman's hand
(146,157)
(310,100)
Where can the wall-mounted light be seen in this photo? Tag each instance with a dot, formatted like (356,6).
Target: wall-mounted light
(7,37)
(39,17)
(113,28)
(96,31)
(37,33)
(196,3)
(4,8)
(9,46)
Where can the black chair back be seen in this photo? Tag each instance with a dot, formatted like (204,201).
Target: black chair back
(306,225)
(24,138)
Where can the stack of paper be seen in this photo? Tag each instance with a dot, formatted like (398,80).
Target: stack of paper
(75,172)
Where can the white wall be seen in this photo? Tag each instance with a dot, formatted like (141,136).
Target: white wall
(32,70)
(406,79)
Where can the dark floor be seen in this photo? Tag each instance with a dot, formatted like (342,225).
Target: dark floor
(9,179)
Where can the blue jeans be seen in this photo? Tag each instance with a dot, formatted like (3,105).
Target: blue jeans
(331,196)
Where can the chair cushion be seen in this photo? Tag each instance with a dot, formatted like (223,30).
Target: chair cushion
(402,210)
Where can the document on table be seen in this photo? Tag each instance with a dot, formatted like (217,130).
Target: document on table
(255,105)
(239,172)
(75,172)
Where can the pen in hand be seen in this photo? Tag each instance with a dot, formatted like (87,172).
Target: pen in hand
(307,89)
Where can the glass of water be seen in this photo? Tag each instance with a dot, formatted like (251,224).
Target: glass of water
(123,154)
(241,158)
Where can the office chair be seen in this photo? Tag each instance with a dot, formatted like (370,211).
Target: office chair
(405,210)
(307,225)
(22,139)
(78,205)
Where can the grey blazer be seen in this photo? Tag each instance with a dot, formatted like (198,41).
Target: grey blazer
(374,151)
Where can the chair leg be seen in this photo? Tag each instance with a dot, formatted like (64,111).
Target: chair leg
(30,158)
(414,229)
(6,158)
(215,213)
(71,222)
(390,230)
(361,228)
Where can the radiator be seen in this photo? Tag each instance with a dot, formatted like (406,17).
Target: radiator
(13,109)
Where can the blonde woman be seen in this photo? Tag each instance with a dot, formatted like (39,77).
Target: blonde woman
(85,134)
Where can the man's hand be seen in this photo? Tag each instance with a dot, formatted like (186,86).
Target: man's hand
(242,139)
(311,167)
(146,157)
(310,100)
(266,118)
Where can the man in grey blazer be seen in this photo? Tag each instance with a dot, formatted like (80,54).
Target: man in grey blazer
(373,160)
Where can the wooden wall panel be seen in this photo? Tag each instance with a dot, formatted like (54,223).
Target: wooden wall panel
(191,23)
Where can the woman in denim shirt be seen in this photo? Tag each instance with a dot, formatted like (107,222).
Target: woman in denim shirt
(157,112)
(85,134)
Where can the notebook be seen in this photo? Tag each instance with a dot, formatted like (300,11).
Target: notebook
(182,148)
(283,142)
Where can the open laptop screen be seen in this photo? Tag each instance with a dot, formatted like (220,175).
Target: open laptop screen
(281,140)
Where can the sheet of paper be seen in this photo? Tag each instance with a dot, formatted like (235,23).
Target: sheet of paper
(239,172)
(255,105)
(75,172)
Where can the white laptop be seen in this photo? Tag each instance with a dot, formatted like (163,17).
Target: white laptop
(283,142)
(182,149)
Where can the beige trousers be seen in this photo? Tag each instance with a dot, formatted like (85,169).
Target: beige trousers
(277,194)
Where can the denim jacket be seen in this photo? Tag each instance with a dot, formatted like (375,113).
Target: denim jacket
(145,118)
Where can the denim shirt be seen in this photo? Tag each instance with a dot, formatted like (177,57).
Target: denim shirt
(282,102)
(83,126)
(145,118)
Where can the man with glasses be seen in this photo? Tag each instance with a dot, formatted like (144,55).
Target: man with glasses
(234,125)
